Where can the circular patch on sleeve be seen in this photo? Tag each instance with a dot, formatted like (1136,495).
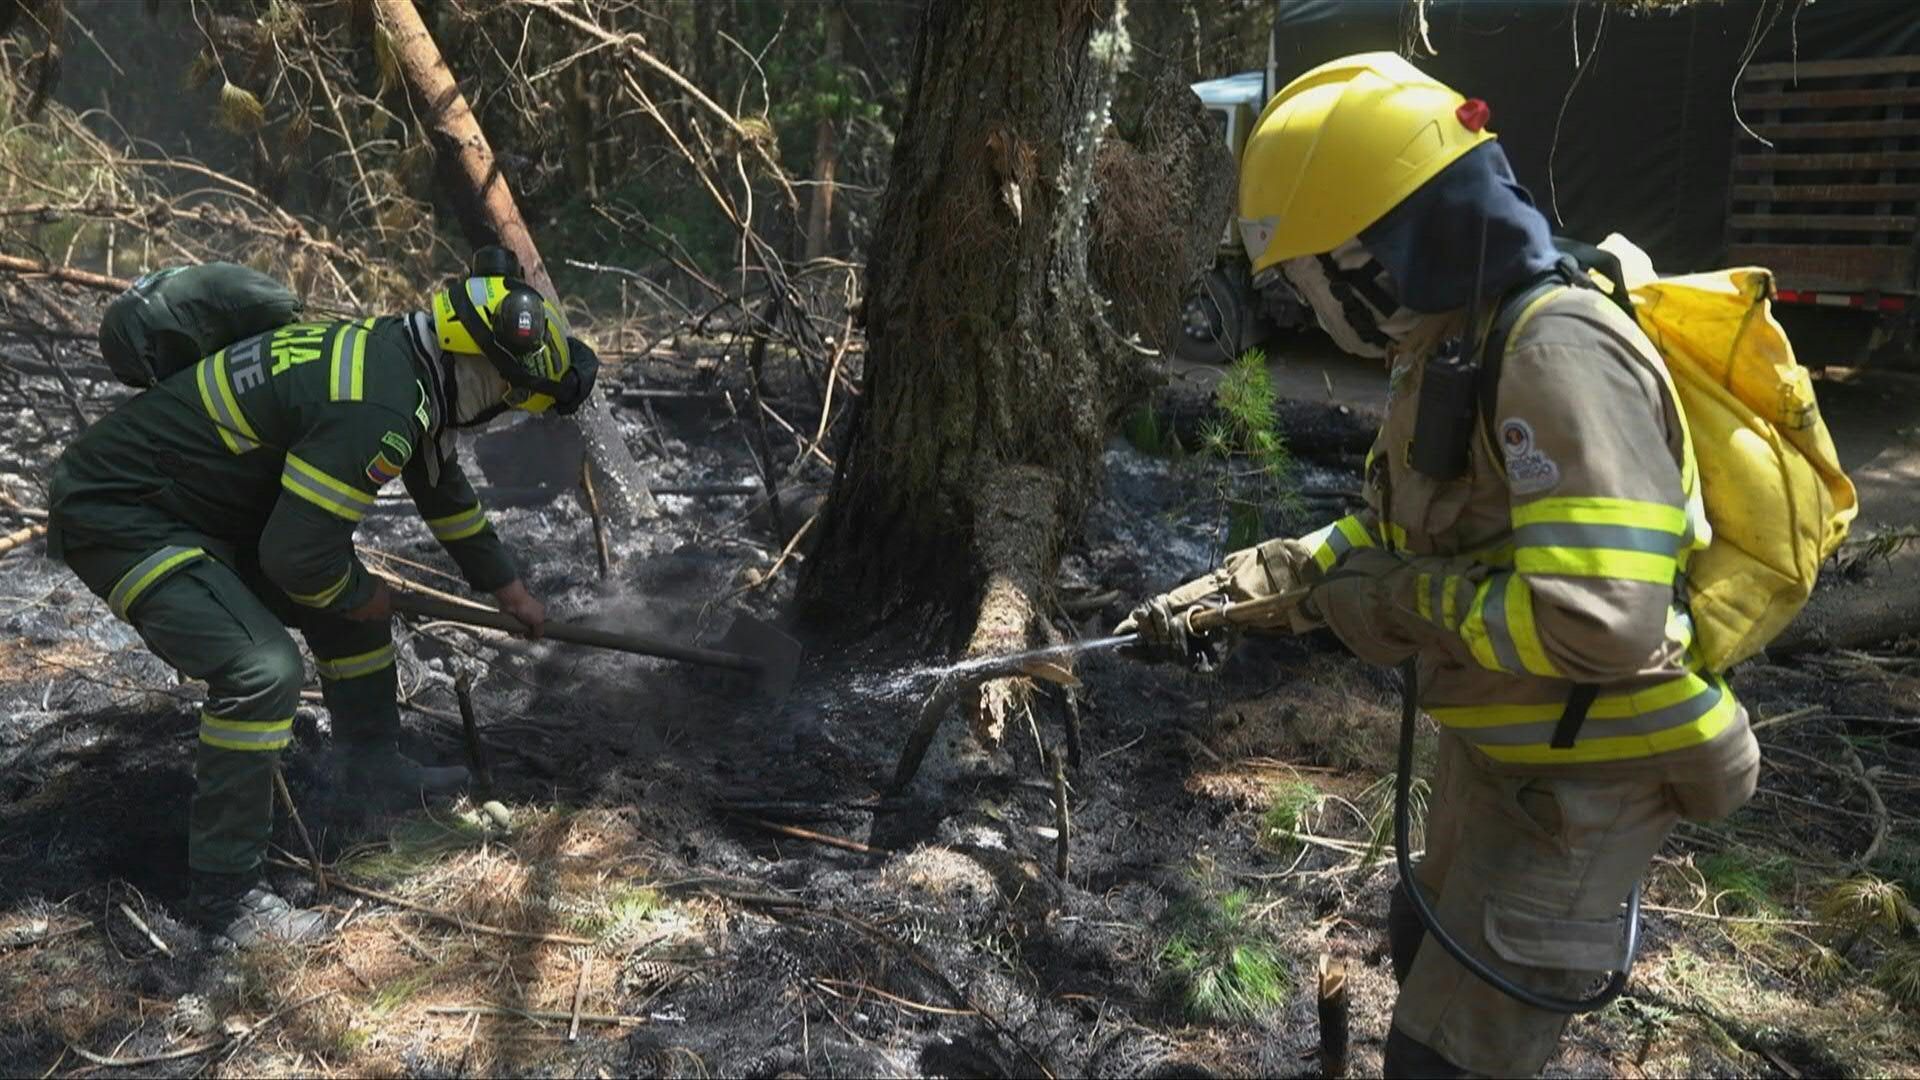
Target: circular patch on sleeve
(1516,437)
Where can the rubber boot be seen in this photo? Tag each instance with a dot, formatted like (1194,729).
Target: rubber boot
(380,769)
(1406,1059)
(241,912)
(1405,932)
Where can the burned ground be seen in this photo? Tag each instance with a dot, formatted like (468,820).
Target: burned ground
(1224,832)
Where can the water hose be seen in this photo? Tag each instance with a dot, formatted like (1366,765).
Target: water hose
(1402,845)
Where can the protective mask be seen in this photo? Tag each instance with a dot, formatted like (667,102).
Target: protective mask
(475,395)
(1352,298)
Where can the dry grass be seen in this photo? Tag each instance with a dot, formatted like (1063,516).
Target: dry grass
(360,1002)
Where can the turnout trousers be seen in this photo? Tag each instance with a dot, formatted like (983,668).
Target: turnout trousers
(208,612)
(1530,873)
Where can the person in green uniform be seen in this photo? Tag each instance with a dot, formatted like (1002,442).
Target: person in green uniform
(219,506)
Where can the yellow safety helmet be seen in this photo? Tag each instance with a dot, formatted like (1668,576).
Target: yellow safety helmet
(1342,145)
(519,331)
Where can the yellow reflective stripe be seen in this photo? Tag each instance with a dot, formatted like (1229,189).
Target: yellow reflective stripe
(1605,707)
(1330,542)
(216,397)
(1396,536)
(1356,533)
(1422,598)
(1598,747)
(1526,635)
(1644,566)
(1449,606)
(357,666)
(329,494)
(1474,630)
(325,596)
(145,574)
(1598,510)
(247,735)
(459,526)
(346,371)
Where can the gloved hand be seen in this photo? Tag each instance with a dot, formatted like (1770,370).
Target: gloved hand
(581,375)
(1165,634)
(1248,574)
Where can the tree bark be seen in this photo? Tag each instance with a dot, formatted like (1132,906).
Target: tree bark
(490,215)
(826,154)
(992,375)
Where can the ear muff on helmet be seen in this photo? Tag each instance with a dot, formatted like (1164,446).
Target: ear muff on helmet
(518,341)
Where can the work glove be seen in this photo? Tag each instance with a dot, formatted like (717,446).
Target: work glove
(1165,635)
(1248,574)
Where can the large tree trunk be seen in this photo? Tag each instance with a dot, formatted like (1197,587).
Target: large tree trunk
(489,215)
(992,375)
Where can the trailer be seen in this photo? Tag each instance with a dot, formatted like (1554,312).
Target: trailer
(1777,133)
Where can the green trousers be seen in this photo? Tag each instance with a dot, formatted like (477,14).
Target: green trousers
(209,613)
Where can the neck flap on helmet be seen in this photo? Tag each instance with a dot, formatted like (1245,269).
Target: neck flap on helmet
(1472,232)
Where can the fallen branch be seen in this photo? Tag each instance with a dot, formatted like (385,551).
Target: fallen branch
(452,919)
(1882,822)
(300,827)
(1333,1012)
(470,731)
(21,537)
(579,996)
(16,939)
(149,1059)
(1061,818)
(16,265)
(905,1003)
(601,546)
(535,1015)
(808,834)
(140,925)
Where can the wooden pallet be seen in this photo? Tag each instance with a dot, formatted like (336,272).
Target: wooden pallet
(1834,204)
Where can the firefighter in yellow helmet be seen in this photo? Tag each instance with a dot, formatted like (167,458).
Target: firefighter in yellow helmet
(219,508)
(1523,544)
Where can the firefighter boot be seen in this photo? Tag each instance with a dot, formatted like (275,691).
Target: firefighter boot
(379,769)
(241,912)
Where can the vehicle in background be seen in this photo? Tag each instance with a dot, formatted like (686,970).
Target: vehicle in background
(1812,170)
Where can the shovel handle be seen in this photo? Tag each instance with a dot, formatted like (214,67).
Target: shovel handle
(428,607)
(1208,619)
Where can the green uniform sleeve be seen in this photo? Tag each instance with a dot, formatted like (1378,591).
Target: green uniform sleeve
(454,514)
(328,482)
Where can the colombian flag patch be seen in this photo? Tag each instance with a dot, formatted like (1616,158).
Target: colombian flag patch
(381,469)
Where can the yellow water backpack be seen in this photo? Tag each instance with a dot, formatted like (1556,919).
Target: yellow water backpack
(1775,495)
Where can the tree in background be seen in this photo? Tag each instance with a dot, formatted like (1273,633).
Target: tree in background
(1022,251)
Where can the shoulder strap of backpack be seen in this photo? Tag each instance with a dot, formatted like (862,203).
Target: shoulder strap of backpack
(1493,349)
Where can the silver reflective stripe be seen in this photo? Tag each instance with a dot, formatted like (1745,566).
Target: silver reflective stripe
(146,573)
(322,494)
(343,362)
(1338,542)
(213,729)
(477,292)
(1676,715)
(210,387)
(1613,537)
(1494,615)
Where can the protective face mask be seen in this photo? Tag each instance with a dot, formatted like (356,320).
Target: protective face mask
(474,397)
(1352,298)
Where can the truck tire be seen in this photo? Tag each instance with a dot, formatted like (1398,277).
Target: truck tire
(1211,322)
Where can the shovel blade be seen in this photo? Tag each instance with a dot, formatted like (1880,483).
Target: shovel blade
(777,653)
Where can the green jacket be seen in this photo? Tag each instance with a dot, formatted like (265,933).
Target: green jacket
(279,442)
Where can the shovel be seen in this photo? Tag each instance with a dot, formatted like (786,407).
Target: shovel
(750,645)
